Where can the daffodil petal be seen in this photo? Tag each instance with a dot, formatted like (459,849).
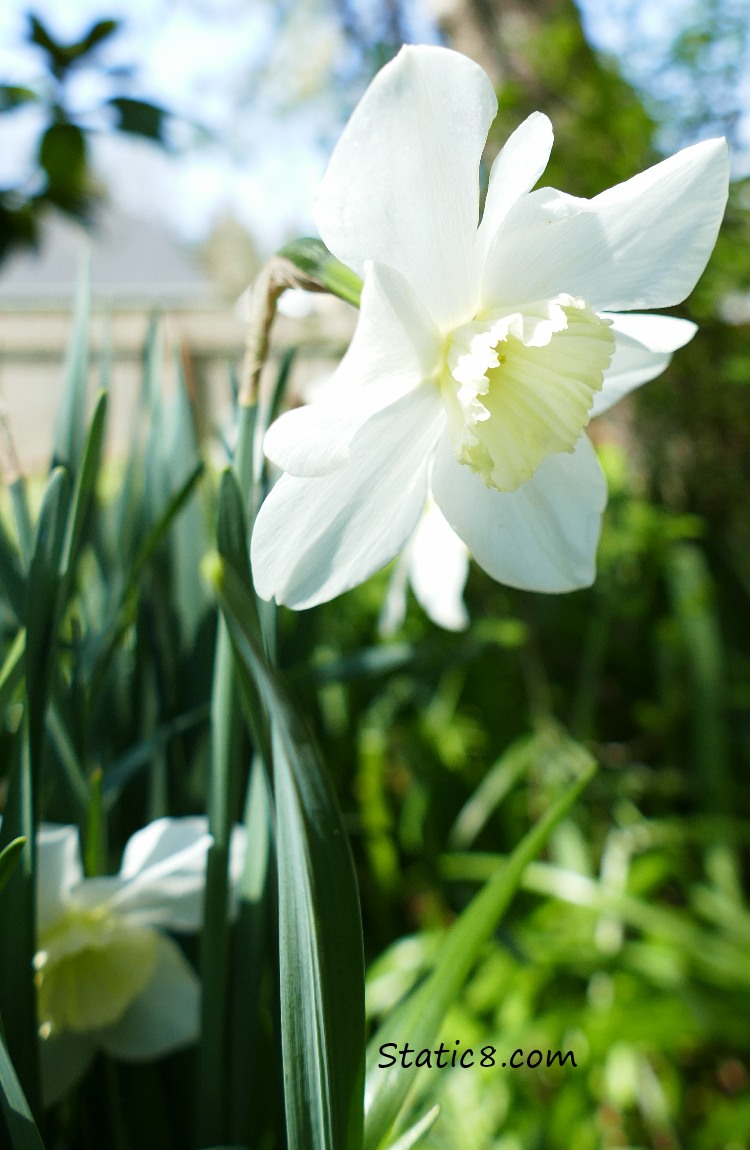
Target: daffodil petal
(178,844)
(660,333)
(541,537)
(395,347)
(402,186)
(63,1061)
(643,349)
(641,244)
(162,878)
(438,568)
(165,1017)
(316,538)
(59,869)
(516,169)
(393,611)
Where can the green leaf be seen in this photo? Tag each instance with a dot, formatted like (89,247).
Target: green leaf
(22,1128)
(85,487)
(313,258)
(98,32)
(63,56)
(227,767)
(418,1131)
(63,157)
(11,672)
(9,856)
(70,424)
(251,953)
(18,911)
(140,118)
(43,603)
(15,96)
(322,967)
(417,1020)
(11,578)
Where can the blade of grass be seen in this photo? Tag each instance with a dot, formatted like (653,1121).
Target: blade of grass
(321,959)
(250,946)
(9,856)
(11,578)
(71,420)
(124,612)
(692,597)
(417,1021)
(22,1128)
(18,911)
(19,499)
(227,766)
(418,1131)
(11,672)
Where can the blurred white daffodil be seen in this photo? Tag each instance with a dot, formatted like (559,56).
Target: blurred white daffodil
(482,349)
(436,564)
(107,977)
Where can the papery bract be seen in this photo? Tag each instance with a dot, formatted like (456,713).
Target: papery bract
(482,348)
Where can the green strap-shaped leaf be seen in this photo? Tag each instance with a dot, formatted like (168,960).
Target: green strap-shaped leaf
(320,935)
(417,1021)
(22,1128)
(9,856)
(421,1128)
(71,415)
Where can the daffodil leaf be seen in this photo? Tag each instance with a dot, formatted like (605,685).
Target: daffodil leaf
(11,672)
(70,424)
(85,484)
(322,967)
(11,578)
(22,1128)
(317,264)
(17,912)
(9,856)
(421,1128)
(417,1020)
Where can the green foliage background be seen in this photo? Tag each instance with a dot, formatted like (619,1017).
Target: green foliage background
(628,942)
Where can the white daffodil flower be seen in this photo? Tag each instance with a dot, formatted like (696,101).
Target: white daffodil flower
(107,977)
(482,349)
(436,564)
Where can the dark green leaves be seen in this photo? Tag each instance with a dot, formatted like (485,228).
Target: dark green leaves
(21,1126)
(63,56)
(320,940)
(417,1021)
(140,118)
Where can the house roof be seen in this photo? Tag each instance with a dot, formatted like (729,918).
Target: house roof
(133,263)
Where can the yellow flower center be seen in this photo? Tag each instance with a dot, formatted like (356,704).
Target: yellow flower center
(519,386)
(89,967)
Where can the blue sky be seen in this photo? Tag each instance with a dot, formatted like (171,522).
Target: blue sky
(202,58)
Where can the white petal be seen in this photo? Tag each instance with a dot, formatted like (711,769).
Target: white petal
(541,537)
(642,244)
(438,570)
(402,186)
(395,347)
(63,1061)
(643,349)
(393,611)
(654,332)
(162,879)
(178,843)
(165,1017)
(316,538)
(59,869)
(516,169)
